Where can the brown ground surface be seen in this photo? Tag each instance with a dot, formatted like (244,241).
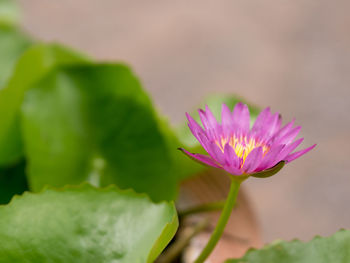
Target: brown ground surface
(291,55)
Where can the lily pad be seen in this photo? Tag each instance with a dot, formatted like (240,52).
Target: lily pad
(85,224)
(97,125)
(335,248)
(31,67)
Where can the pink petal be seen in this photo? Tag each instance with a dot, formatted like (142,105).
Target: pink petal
(273,125)
(296,155)
(207,144)
(208,119)
(213,150)
(206,160)
(288,149)
(226,120)
(279,123)
(260,122)
(212,127)
(231,157)
(269,159)
(193,123)
(216,153)
(283,131)
(232,170)
(241,118)
(278,153)
(253,160)
(289,136)
(194,126)
(200,136)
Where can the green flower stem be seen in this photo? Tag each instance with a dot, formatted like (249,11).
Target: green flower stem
(225,215)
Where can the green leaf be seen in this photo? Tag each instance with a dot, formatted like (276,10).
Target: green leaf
(103,127)
(55,138)
(12,181)
(12,44)
(8,12)
(98,125)
(126,130)
(32,66)
(85,224)
(269,172)
(214,102)
(335,248)
(183,167)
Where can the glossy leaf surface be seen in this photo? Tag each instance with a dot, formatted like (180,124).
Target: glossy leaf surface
(335,248)
(31,67)
(85,224)
(98,125)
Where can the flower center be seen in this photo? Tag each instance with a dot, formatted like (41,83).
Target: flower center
(242,145)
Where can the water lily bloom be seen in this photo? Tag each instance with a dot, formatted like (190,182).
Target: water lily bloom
(233,146)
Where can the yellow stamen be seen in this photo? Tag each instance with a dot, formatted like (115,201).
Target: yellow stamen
(242,146)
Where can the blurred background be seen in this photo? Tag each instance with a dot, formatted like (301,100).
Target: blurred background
(291,55)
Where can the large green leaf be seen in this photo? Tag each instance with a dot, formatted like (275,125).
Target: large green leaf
(32,66)
(95,123)
(333,249)
(56,141)
(183,167)
(87,123)
(85,224)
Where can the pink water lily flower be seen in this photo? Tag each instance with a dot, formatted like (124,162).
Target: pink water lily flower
(240,150)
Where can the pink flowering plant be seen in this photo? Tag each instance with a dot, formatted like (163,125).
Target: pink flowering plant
(241,151)
(90,171)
